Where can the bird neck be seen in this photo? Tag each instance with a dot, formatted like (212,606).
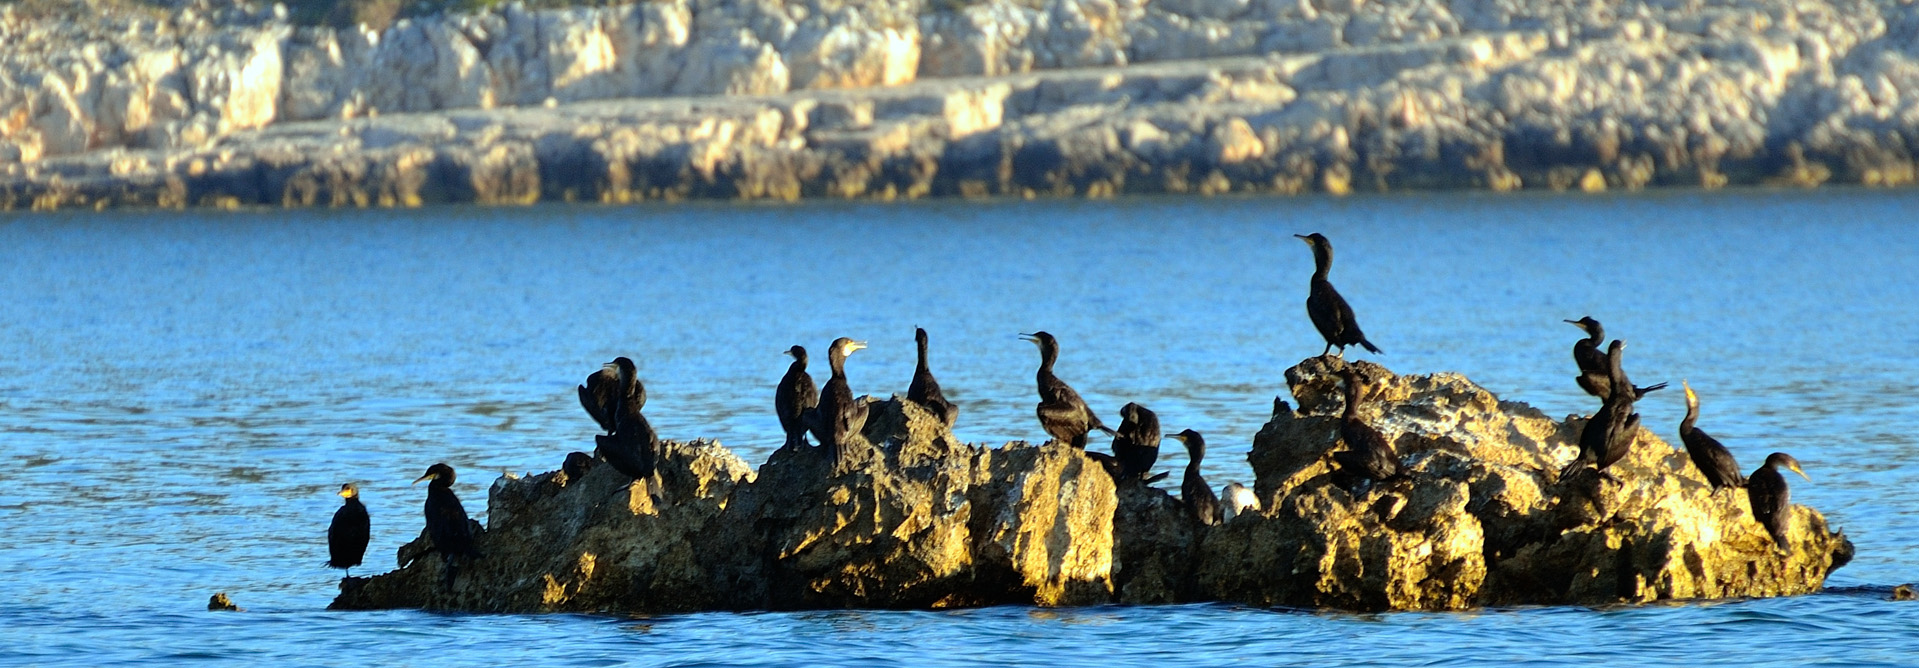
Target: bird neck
(798,366)
(1692,417)
(922,364)
(1352,400)
(1597,336)
(1322,262)
(837,360)
(1047,356)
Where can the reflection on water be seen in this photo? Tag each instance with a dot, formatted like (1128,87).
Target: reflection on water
(180,394)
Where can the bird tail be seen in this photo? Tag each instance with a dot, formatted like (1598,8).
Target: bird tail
(1156,478)
(1370,347)
(1653,388)
(1109,430)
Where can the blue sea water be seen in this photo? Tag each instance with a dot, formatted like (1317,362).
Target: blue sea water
(182,392)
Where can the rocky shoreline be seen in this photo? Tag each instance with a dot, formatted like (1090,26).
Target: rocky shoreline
(676,99)
(914,519)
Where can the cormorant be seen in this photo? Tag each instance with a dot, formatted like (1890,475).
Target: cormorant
(1329,311)
(795,397)
(1368,455)
(925,391)
(576,466)
(838,415)
(347,537)
(603,391)
(1609,435)
(1137,444)
(1714,462)
(633,446)
(1062,413)
(1595,376)
(1201,504)
(446,521)
(1771,500)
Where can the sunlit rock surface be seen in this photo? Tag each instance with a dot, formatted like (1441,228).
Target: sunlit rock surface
(911,518)
(223,105)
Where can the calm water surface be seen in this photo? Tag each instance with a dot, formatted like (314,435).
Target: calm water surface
(182,393)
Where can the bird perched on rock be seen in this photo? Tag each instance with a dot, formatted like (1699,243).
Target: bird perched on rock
(1595,373)
(1062,413)
(446,521)
(1368,455)
(605,391)
(1136,446)
(347,537)
(838,415)
(925,391)
(795,397)
(576,466)
(1715,463)
(1611,432)
(633,447)
(1201,504)
(1330,313)
(1238,501)
(1771,500)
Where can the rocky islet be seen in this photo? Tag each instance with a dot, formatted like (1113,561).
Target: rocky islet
(911,518)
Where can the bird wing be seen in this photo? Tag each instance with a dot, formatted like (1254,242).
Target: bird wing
(596,396)
(1200,500)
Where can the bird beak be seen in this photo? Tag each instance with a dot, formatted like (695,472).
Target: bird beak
(1182,437)
(1304,238)
(856,345)
(1029,338)
(1574,323)
(610,366)
(346,494)
(1795,469)
(416,481)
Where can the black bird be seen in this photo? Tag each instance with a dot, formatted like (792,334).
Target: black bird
(1202,505)
(1329,311)
(1137,444)
(1368,455)
(1609,435)
(838,415)
(1062,413)
(347,537)
(603,391)
(446,521)
(795,397)
(1714,462)
(1595,376)
(925,391)
(1771,500)
(576,466)
(633,447)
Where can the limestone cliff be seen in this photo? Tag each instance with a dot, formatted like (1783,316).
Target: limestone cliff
(234,105)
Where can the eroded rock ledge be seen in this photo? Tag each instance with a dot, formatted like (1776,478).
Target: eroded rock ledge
(921,520)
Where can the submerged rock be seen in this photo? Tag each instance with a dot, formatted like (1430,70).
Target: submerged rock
(909,517)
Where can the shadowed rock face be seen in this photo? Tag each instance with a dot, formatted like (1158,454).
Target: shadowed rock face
(914,519)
